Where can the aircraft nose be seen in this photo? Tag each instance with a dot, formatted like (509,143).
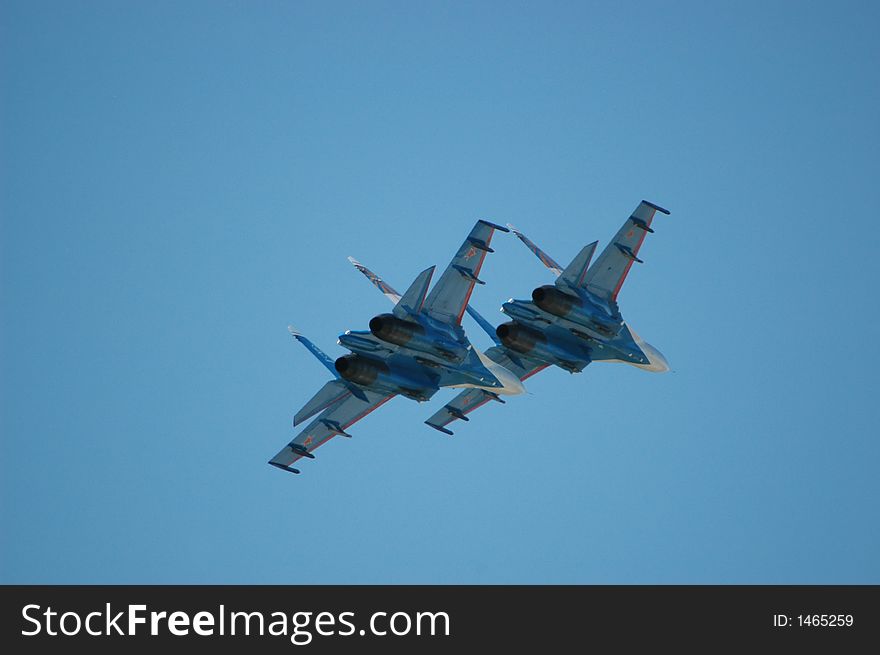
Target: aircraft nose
(658,361)
(515,385)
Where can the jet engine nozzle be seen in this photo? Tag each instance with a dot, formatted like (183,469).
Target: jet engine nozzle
(409,334)
(518,337)
(553,301)
(388,327)
(360,370)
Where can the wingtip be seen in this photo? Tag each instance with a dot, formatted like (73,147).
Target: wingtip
(494,225)
(440,428)
(657,207)
(293,331)
(513,229)
(284,467)
(353,261)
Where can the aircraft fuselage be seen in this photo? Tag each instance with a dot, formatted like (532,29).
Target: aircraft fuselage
(599,335)
(416,356)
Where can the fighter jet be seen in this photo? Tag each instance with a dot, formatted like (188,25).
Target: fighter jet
(413,351)
(569,324)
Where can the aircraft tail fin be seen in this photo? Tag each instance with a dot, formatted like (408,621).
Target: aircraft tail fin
(395,297)
(380,284)
(574,273)
(412,300)
(546,259)
(319,354)
(483,323)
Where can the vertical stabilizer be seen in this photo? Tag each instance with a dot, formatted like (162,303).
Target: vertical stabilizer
(412,300)
(574,273)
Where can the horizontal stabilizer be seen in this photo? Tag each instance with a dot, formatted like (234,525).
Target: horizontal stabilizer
(330,394)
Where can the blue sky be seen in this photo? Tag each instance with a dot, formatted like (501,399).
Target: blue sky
(179,181)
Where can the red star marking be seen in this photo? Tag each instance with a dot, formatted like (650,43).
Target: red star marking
(308,441)
(629,234)
(470,253)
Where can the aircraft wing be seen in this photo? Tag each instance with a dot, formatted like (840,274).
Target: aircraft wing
(608,272)
(331,422)
(522,366)
(470,399)
(449,297)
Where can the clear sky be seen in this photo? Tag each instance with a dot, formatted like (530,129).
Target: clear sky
(179,181)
